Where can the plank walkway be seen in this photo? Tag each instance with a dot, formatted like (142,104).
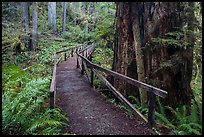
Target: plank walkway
(88,111)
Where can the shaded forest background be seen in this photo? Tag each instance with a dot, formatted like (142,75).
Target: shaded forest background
(159,43)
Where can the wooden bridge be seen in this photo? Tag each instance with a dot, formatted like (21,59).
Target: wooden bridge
(88,111)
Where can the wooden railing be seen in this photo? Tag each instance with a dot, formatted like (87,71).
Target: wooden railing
(84,63)
(89,69)
(57,58)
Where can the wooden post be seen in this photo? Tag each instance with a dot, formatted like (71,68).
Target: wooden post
(92,77)
(72,52)
(90,58)
(82,67)
(65,56)
(83,53)
(77,62)
(55,58)
(151,112)
(52,100)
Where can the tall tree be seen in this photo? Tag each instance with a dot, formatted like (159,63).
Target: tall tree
(52,16)
(91,14)
(84,9)
(148,28)
(124,52)
(25,22)
(64,16)
(75,7)
(35,26)
(137,19)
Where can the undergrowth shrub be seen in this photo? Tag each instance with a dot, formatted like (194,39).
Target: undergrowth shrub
(25,102)
(103,57)
(180,123)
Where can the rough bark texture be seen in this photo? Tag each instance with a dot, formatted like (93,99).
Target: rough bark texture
(124,57)
(151,20)
(25,22)
(64,16)
(52,15)
(163,17)
(137,19)
(35,26)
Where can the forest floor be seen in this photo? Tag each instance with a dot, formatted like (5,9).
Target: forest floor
(89,112)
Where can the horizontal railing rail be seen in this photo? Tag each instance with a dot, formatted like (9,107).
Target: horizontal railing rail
(69,52)
(94,68)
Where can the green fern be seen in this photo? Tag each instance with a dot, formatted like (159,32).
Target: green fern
(22,111)
(161,108)
(134,99)
(164,120)
(188,125)
(194,113)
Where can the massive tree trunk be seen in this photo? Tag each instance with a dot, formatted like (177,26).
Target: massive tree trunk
(25,22)
(64,16)
(52,16)
(166,66)
(137,26)
(124,50)
(35,26)
(164,17)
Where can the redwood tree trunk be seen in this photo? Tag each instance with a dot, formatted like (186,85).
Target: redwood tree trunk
(124,56)
(144,21)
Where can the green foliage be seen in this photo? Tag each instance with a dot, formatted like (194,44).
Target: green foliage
(175,38)
(161,108)
(10,11)
(10,44)
(162,119)
(137,105)
(77,35)
(125,107)
(21,58)
(103,57)
(97,83)
(105,27)
(25,102)
(166,41)
(187,124)
(180,123)
(164,65)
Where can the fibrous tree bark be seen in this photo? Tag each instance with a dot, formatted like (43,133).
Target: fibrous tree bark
(163,65)
(35,26)
(25,22)
(137,19)
(124,52)
(52,16)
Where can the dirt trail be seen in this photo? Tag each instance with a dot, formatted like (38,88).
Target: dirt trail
(88,111)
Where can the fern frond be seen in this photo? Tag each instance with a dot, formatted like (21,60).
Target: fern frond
(194,113)
(178,115)
(161,108)
(163,119)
